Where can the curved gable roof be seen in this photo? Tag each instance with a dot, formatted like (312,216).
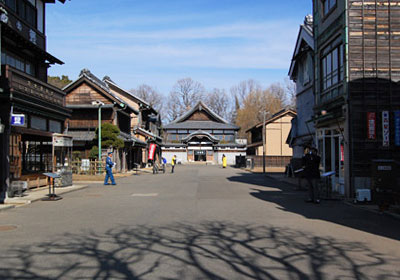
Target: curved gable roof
(200,106)
(200,133)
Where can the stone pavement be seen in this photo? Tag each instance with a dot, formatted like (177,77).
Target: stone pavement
(202,222)
(34,195)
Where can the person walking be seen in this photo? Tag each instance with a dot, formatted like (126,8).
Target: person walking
(311,163)
(224,161)
(173,162)
(109,166)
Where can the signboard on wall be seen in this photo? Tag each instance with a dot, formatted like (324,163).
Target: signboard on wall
(62,141)
(17,119)
(385,128)
(397,128)
(152,150)
(371,125)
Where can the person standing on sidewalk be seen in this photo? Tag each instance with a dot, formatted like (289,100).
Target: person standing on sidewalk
(109,166)
(311,173)
(224,161)
(173,162)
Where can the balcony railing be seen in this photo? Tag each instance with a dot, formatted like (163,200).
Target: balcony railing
(33,88)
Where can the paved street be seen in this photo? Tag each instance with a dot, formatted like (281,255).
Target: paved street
(202,222)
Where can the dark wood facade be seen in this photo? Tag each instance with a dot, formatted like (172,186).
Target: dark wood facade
(26,149)
(357,72)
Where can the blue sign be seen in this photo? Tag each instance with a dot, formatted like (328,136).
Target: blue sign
(18,119)
(397,128)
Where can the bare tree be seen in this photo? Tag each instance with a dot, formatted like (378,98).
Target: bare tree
(255,103)
(150,95)
(184,95)
(219,102)
(291,92)
(244,88)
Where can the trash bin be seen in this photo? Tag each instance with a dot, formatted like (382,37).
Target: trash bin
(384,181)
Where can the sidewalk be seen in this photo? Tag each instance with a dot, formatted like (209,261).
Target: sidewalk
(370,207)
(37,194)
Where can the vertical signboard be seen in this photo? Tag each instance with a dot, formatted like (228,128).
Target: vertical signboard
(371,125)
(385,128)
(152,150)
(397,128)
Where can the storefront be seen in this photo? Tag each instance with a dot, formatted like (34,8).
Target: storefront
(331,148)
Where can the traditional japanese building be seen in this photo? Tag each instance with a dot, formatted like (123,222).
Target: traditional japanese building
(31,110)
(200,135)
(83,97)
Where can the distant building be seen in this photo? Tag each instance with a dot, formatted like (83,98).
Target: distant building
(200,135)
(301,72)
(277,152)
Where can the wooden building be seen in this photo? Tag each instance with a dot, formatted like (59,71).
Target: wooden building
(31,110)
(357,73)
(145,125)
(200,135)
(277,152)
(81,94)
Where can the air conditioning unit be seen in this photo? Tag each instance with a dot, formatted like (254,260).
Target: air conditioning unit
(363,195)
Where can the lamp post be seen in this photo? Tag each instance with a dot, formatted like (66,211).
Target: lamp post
(99,104)
(263,132)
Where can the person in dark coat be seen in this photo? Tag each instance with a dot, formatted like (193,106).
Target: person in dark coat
(109,166)
(311,162)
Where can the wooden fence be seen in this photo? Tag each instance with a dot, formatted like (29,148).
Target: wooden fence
(94,167)
(270,161)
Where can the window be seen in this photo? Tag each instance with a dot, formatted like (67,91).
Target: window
(38,123)
(24,10)
(18,63)
(332,67)
(328,6)
(55,126)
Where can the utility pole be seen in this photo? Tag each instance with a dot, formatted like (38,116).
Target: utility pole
(99,104)
(263,132)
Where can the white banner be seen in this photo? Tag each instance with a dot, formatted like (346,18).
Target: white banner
(385,128)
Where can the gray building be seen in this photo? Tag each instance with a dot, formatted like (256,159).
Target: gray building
(301,72)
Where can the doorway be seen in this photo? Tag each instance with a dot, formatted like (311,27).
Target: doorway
(200,155)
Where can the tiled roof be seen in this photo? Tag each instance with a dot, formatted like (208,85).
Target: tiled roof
(79,135)
(199,106)
(205,125)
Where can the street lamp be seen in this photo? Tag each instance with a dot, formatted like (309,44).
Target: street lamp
(263,139)
(99,104)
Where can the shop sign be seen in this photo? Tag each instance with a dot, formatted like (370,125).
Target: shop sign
(341,153)
(371,118)
(385,128)
(152,150)
(18,119)
(62,141)
(397,128)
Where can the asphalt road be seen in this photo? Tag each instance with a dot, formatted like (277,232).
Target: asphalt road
(203,222)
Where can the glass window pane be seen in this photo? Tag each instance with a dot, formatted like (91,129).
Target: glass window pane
(335,59)
(328,63)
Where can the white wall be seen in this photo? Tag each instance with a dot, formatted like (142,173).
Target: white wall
(181,156)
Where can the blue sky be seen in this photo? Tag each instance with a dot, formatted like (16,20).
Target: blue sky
(216,42)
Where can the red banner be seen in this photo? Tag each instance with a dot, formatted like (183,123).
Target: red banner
(371,119)
(152,150)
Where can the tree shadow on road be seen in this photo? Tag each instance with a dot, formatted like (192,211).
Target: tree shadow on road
(210,250)
(287,199)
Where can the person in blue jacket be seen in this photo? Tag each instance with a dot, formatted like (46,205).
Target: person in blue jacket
(109,166)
